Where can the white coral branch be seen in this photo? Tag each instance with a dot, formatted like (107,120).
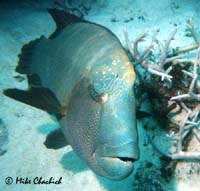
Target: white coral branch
(156,69)
(191,95)
(189,124)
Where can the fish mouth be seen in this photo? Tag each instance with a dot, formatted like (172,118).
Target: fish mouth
(127,152)
(117,161)
(126,159)
(121,159)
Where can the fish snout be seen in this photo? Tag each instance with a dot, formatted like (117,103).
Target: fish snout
(117,161)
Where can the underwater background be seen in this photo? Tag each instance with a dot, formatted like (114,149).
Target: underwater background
(23,129)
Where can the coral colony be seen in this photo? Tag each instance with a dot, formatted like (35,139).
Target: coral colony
(178,91)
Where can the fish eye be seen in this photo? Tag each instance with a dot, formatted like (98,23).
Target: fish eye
(103,97)
(98,97)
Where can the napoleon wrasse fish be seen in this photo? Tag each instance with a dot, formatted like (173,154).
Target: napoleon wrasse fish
(83,75)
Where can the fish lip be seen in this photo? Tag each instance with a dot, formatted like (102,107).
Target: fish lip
(124,160)
(116,161)
(127,152)
(114,168)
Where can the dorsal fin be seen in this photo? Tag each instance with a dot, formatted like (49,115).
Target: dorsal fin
(25,57)
(62,19)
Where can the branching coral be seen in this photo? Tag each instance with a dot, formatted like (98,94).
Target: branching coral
(143,59)
(186,97)
(191,95)
(190,124)
(194,35)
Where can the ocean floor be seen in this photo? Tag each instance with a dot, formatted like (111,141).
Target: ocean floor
(24,153)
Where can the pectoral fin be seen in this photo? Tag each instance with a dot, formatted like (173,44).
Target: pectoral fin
(142,114)
(39,97)
(56,140)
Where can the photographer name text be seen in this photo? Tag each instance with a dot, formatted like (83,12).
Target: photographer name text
(38,180)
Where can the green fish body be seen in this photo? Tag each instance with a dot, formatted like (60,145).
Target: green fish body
(83,75)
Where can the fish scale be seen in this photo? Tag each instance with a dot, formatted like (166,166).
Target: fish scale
(83,76)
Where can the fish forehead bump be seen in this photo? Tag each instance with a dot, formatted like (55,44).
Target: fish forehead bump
(116,75)
(121,61)
(129,75)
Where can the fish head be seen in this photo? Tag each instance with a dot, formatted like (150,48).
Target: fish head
(118,140)
(102,121)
